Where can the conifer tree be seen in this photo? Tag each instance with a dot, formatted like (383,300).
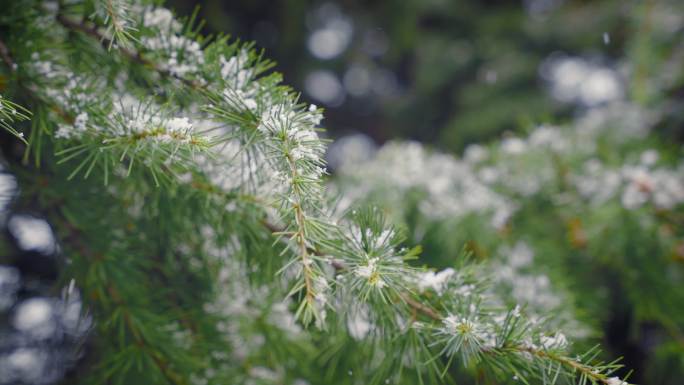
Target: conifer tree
(185,185)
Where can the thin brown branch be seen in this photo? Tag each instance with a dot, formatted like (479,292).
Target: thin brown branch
(93,31)
(421,308)
(115,20)
(585,370)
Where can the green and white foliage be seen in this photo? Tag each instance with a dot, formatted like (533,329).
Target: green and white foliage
(187,189)
(10,113)
(546,211)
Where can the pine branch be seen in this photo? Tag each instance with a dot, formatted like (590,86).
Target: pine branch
(160,362)
(340,267)
(93,31)
(75,237)
(300,239)
(585,370)
(117,25)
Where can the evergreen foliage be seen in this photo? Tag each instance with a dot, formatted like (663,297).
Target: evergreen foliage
(186,187)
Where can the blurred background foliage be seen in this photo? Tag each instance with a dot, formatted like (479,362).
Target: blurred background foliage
(451,72)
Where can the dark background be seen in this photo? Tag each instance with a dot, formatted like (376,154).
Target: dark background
(447,72)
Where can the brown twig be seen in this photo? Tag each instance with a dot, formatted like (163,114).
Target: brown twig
(93,31)
(585,370)
(422,308)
